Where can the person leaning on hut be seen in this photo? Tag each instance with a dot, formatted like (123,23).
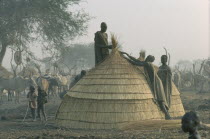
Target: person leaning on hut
(41,100)
(101,44)
(156,83)
(165,74)
(77,78)
(73,82)
(32,96)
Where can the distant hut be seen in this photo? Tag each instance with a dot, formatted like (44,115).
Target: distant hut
(4,73)
(111,95)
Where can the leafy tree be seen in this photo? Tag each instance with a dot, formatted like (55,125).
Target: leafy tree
(185,65)
(74,57)
(79,55)
(50,22)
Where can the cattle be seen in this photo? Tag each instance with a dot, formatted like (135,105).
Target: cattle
(17,84)
(42,83)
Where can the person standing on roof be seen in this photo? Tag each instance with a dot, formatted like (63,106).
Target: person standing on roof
(101,44)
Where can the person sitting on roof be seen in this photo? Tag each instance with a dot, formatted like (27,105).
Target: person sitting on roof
(154,81)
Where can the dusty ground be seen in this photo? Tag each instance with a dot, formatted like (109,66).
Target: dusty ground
(11,125)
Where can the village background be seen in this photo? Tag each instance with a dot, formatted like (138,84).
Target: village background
(182,27)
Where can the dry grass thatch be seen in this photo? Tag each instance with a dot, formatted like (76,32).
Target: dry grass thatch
(112,94)
(176,109)
(114,41)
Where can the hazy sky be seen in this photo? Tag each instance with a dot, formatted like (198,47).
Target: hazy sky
(179,25)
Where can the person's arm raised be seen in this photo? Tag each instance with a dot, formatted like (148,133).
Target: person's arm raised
(132,58)
(138,63)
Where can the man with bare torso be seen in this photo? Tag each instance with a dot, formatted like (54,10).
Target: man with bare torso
(165,74)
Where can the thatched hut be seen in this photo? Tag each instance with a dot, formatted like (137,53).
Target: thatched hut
(4,73)
(111,95)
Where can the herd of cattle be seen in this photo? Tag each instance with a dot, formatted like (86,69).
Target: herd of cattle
(13,87)
(57,83)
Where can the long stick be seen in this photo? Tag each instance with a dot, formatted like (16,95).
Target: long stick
(165,50)
(168,55)
(169,58)
(26,113)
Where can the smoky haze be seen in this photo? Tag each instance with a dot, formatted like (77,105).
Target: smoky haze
(179,25)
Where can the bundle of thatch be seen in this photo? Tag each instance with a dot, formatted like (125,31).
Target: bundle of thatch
(113,94)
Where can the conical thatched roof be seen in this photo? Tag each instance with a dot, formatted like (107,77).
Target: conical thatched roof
(176,109)
(115,78)
(111,95)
